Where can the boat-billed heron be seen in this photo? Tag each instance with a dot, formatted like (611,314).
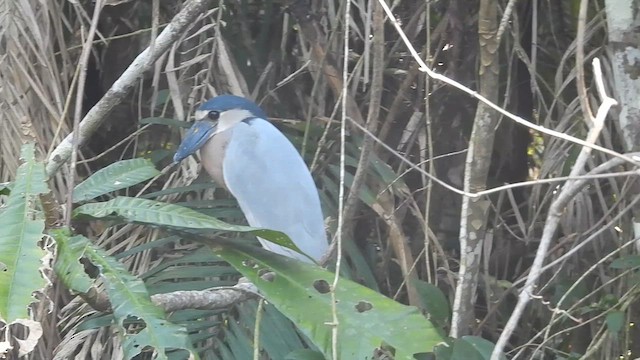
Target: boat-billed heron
(243,152)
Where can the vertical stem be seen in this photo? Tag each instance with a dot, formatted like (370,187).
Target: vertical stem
(473,219)
(82,77)
(432,170)
(256,330)
(345,89)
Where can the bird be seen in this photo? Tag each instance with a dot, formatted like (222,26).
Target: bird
(246,154)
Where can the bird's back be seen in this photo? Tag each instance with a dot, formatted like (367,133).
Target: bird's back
(274,188)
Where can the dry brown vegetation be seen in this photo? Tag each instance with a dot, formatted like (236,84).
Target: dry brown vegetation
(401,227)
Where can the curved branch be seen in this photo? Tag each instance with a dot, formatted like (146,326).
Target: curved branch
(121,88)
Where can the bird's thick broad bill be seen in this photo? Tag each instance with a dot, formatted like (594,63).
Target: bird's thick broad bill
(198,135)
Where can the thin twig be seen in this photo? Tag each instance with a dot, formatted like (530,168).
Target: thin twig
(343,136)
(373,114)
(475,94)
(416,167)
(432,279)
(82,79)
(553,217)
(580,83)
(505,20)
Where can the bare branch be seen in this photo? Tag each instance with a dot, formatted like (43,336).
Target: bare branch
(474,212)
(218,298)
(119,90)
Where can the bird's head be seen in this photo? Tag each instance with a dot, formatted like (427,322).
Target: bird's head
(215,116)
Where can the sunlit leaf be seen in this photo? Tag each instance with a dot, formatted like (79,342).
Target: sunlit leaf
(119,175)
(162,214)
(21,228)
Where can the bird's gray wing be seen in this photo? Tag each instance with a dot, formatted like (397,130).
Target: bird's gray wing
(274,188)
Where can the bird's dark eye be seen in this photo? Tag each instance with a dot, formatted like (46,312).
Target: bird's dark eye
(213,115)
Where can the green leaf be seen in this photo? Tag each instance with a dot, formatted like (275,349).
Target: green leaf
(130,302)
(367,319)
(433,301)
(162,98)
(388,176)
(615,321)
(158,213)
(166,121)
(114,177)
(178,190)
(626,262)
(574,151)
(5,188)
(443,351)
(304,354)
(463,350)
(21,227)
(68,267)
(278,336)
(239,342)
(483,347)
(159,155)
(365,194)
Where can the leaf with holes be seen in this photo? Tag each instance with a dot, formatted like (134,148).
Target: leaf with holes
(367,319)
(67,265)
(21,227)
(129,301)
